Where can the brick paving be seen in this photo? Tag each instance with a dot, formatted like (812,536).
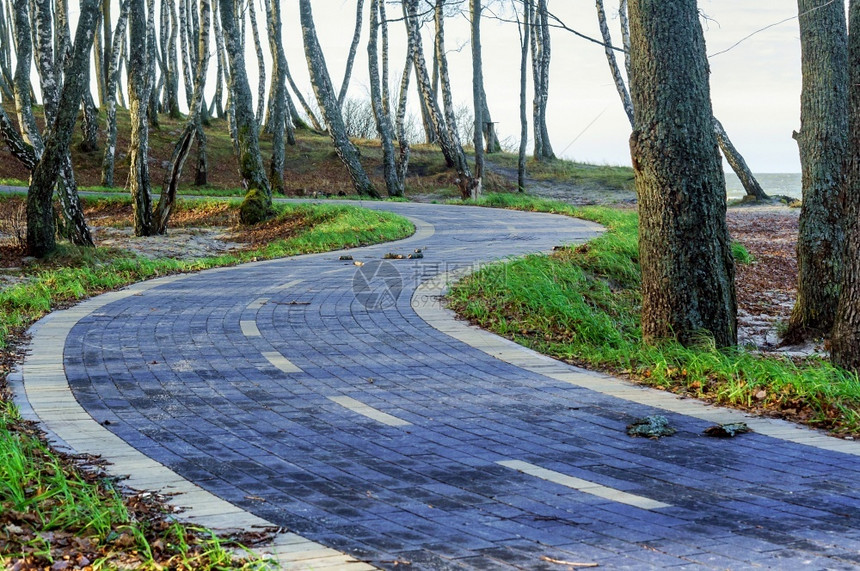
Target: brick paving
(310,393)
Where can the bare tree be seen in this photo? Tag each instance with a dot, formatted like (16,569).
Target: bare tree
(353,48)
(108,160)
(321,82)
(257,205)
(279,121)
(139,87)
(40,220)
(478,96)
(383,122)
(192,125)
(261,63)
(525,40)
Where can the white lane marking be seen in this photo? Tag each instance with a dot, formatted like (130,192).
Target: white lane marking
(584,485)
(249,329)
(288,285)
(281,362)
(368,411)
(258,303)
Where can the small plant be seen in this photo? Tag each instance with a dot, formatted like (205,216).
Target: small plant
(741,254)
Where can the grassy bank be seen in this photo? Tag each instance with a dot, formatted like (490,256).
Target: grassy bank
(582,305)
(49,508)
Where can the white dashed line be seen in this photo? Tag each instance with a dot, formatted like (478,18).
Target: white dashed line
(281,362)
(368,411)
(584,485)
(289,284)
(258,303)
(249,329)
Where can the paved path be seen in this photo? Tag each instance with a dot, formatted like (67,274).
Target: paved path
(343,403)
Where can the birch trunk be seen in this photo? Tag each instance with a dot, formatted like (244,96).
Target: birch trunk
(620,85)
(108,160)
(477,98)
(40,220)
(183,146)
(400,120)
(688,289)
(138,97)
(525,40)
(321,81)
(261,64)
(383,121)
(257,205)
(353,48)
(278,120)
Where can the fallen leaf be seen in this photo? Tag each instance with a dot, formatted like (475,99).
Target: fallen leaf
(568,563)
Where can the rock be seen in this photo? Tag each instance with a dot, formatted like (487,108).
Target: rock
(653,426)
(727,430)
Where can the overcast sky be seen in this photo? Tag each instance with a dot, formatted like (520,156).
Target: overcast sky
(755,86)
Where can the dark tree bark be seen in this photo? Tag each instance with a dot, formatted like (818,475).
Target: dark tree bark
(40,217)
(321,81)
(477,97)
(822,141)
(350,60)
(845,339)
(24,56)
(138,96)
(687,268)
(383,121)
(257,205)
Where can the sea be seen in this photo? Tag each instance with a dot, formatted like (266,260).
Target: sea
(786,184)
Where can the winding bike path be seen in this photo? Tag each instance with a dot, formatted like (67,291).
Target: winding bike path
(343,403)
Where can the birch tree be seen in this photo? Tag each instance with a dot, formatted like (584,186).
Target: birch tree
(688,288)
(350,58)
(257,205)
(327,99)
(192,124)
(393,183)
(139,87)
(108,159)
(40,220)
(279,121)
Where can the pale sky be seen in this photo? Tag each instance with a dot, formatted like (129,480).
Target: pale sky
(755,87)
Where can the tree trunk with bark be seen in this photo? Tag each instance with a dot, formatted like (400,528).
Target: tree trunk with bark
(321,81)
(261,63)
(400,120)
(845,339)
(617,77)
(738,164)
(257,205)
(350,60)
(183,146)
(822,141)
(478,97)
(108,160)
(278,119)
(383,121)
(40,216)
(688,289)
(525,40)
(138,97)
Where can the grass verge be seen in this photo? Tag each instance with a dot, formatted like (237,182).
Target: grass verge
(582,305)
(55,515)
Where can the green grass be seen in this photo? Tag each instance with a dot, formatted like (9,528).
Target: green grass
(561,170)
(47,505)
(582,304)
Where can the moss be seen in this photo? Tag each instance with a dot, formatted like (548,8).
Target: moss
(256,208)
